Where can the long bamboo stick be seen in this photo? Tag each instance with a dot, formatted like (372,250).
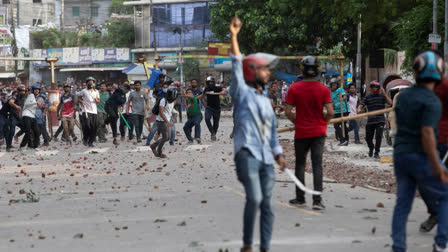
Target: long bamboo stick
(344,119)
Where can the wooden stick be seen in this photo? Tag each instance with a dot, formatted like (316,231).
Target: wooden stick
(342,115)
(344,119)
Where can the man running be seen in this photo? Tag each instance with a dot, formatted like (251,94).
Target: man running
(212,105)
(88,98)
(166,108)
(123,127)
(376,100)
(256,144)
(32,132)
(115,101)
(353,103)
(66,113)
(416,161)
(339,99)
(309,97)
(140,102)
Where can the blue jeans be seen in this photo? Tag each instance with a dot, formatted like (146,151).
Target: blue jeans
(154,131)
(9,129)
(195,122)
(353,125)
(412,170)
(258,181)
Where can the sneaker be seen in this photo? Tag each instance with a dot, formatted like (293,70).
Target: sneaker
(376,156)
(317,205)
(115,142)
(344,143)
(298,202)
(171,144)
(371,153)
(429,224)
(198,140)
(139,140)
(190,143)
(436,248)
(55,139)
(122,138)
(161,155)
(74,139)
(91,145)
(8,149)
(246,248)
(103,140)
(358,142)
(85,143)
(47,144)
(213,138)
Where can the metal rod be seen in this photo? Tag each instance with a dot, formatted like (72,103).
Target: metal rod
(434,21)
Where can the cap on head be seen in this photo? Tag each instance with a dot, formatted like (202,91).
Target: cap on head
(428,66)
(310,66)
(210,79)
(35,86)
(176,83)
(257,60)
(90,78)
(334,80)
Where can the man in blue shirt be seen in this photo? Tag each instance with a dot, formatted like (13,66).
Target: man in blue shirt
(339,97)
(256,144)
(416,161)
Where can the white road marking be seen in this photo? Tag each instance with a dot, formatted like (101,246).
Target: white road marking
(102,150)
(197,147)
(46,153)
(142,149)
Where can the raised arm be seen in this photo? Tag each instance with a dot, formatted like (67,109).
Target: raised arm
(235,27)
(237,83)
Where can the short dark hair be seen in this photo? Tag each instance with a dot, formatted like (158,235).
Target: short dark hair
(137,82)
(126,86)
(103,84)
(351,84)
(189,89)
(194,80)
(166,84)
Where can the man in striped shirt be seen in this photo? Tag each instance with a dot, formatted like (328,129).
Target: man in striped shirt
(376,100)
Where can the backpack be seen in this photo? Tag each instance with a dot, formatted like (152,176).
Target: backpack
(155,109)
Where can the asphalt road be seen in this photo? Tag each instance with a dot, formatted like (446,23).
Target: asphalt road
(123,199)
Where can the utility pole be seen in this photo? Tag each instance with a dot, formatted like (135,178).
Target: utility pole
(434,22)
(62,15)
(358,56)
(14,42)
(445,40)
(156,55)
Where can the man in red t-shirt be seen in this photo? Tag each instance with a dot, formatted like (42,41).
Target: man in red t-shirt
(309,97)
(441,91)
(66,113)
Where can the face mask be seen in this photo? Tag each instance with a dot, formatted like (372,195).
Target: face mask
(89,86)
(165,90)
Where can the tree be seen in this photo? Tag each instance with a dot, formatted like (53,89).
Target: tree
(117,6)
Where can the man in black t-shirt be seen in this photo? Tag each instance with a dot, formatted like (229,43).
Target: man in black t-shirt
(212,105)
(10,114)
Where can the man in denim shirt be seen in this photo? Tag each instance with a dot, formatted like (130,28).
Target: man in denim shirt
(256,143)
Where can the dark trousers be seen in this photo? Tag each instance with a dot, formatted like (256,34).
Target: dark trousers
(2,124)
(101,125)
(137,123)
(9,129)
(178,107)
(216,114)
(32,133)
(194,121)
(164,131)
(43,131)
(338,128)
(112,118)
(302,146)
(374,129)
(88,127)
(123,125)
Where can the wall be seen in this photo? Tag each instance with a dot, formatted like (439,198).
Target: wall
(371,74)
(85,12)
(45,11)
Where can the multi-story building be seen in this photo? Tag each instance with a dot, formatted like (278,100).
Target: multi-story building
(82,12)
(28,12)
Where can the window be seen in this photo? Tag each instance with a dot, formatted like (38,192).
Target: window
(37,1)
(37,21)
(6,2)
(201,15)
(94,11)
(75,11)
(162,15)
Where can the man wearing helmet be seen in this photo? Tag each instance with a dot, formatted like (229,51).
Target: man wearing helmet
(255,138)
(376,100)
(163,123)
(309,97)
(212,105)
(10,114)
(416,161)
(88,98)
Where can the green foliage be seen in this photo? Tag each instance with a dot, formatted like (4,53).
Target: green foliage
(120,33)
(191,69)
(298,26)
(116,6)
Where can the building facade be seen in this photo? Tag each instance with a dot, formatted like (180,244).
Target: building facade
(83,12)
(28,12)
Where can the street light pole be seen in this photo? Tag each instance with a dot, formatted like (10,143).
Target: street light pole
(434,21)
(358,56)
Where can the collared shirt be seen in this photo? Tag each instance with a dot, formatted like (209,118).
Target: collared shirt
(352,101)
(255,122)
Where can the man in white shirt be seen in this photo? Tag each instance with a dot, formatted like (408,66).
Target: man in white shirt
(88,98)
(353,103)
(31,129)
(166,108)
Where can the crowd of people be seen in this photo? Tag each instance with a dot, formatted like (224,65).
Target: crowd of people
(97,107)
